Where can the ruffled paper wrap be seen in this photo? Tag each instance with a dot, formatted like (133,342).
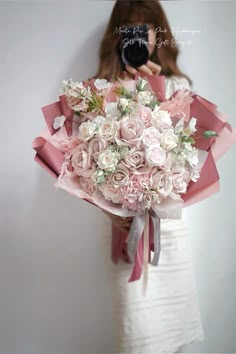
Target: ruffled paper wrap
(144,235)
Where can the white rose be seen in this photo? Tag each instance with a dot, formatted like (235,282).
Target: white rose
(123,102)
(111,110)
(99,120)
(192,157)
(144,97)
(148,198)
(151,136)
(106,129)
(86,130)
(155,156)
(169,140)
(108,160)
(181,178)
(161,119)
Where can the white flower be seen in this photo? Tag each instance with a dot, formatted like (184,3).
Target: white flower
(190,128)
(99,120)
(155,156)
(179,126)
(192,157)
(195,175)
(67,82)
(169,140)
(86,130)
(107,129)
(141,83)
(187,146)
(151,136)
(108,160)
(144,97)
(77,85)
(161,119)
(59,122)
(101,84)
(148,198)
(123,102)
(111,110)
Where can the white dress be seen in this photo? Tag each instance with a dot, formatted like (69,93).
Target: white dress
(168,316)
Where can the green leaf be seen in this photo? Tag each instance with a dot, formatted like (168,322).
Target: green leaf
(187,139)
(209,133)
(154,103)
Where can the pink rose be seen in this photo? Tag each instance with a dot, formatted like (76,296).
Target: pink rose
(168,162)
(96,146)
(107,129)
(134,158)
(155,156)
(111,193)
(181,179)
(151,136)
(162,182)
(129,131)
(81,161)
(148,198)
(144,113)
(87,184)
(120,177)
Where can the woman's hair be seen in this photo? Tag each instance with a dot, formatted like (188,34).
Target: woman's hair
(128,12)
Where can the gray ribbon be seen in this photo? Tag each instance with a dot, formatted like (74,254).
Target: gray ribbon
(136,230)
(157,236)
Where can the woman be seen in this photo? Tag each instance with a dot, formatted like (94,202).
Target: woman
(168,317)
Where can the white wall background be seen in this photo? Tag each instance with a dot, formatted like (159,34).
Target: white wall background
(54,297)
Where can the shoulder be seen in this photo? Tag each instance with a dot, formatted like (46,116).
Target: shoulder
(173,83)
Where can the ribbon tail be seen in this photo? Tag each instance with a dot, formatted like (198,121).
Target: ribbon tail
(138,263)
(135,235)
(157,237)
(135,246)
(146,253)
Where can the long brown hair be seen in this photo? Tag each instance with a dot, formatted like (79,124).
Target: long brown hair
(128,12)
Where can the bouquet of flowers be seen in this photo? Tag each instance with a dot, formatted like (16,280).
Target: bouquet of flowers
(134,154)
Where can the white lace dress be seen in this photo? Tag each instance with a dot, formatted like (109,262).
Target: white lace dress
(168,316)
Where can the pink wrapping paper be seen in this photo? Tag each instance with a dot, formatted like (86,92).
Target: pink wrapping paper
(208,118)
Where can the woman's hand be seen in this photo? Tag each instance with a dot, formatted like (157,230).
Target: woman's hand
(150,68)
(122,223)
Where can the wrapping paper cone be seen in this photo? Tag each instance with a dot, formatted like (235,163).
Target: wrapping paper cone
(50,157)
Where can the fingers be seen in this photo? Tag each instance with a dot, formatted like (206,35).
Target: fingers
(156,69)
(131,70)
(150,68)
(145,69)
(122,223)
